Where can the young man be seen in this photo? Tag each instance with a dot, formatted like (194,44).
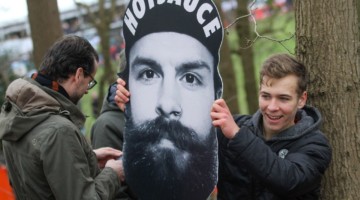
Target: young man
(279,152)
(172,52)
(46,154)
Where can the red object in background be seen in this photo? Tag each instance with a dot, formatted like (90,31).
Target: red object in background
(6,192)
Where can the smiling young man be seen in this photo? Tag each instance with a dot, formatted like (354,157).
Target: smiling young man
(172,56)
(279,152)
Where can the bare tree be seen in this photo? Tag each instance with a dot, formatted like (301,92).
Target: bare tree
(328,42)
(101,19)
(247,56)
(227,72)
(45,26)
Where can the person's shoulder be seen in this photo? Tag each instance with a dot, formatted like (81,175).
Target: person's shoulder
(319,136)
(57,124)
(316,142)
(110,116)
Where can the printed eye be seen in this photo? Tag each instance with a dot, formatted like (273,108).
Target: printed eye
(191,80)
(148,76)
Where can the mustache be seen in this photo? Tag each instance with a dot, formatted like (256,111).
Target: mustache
(153,131)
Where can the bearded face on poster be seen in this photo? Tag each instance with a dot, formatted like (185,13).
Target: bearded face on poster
(172,53)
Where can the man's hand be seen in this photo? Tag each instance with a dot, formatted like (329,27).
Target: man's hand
(117,166)
(106,153)
(122,94)
(222,117)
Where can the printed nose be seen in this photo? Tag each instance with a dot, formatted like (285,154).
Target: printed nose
(168,105)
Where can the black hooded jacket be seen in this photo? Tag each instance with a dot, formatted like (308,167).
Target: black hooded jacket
(288,166)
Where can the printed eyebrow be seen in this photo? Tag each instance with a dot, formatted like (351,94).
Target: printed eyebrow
(138,61)
(188,66)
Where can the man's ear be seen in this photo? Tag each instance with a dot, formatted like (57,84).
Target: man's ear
(302,100)
(79,73)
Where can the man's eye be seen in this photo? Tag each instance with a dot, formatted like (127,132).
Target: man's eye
(264,96)
(191,81)
(149,74)
(190,78)
(284,99)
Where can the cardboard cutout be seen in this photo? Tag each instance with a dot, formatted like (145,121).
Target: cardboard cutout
(172,53)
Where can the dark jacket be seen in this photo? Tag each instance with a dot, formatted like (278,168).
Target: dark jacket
(108,131)
(47,155)
(288,166)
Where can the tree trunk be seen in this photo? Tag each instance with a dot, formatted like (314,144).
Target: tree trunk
(328,43)
(45,26)
(101,21)
(247,58)
(109,76)
(227,71)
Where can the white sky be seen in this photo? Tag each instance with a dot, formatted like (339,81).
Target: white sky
(16,10)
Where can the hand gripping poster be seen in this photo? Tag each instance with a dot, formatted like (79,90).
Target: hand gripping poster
(172,52)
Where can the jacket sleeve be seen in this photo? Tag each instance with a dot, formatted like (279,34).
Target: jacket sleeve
(298,173)
(70,167)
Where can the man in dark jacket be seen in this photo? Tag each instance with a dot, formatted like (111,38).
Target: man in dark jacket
(46,153)
(279,152)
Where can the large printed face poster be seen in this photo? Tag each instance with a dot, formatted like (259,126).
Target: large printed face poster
(172,52)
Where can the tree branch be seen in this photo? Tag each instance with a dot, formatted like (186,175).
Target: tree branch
(250,42)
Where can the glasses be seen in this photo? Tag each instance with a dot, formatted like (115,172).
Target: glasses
(92,83)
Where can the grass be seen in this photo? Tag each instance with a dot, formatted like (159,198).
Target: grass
(284,24)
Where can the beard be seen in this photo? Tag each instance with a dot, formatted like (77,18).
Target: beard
(165,160)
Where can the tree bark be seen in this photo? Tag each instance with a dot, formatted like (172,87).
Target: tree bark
(247,58)
(101,21)
(45,26)
(328,43)
(227,71)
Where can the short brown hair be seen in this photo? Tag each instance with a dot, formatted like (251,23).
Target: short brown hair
(66,55)
(281,65)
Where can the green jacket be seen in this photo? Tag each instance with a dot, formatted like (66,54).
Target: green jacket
(46,154)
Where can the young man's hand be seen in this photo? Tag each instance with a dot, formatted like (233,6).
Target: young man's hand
(222,117)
